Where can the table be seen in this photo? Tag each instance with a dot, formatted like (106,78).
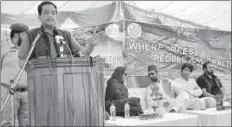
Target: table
(212,117)
(169,119)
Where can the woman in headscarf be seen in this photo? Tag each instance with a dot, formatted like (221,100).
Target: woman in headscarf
(117,93)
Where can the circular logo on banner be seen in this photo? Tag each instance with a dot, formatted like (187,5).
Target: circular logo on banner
(112,30)
(134,30)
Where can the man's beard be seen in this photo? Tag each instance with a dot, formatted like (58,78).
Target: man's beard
(210,72)
(154,79)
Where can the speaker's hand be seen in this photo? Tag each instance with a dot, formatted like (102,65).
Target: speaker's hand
(97,38)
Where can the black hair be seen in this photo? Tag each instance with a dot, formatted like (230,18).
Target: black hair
(187,65)
(45,3)
(204,66)
(13,32)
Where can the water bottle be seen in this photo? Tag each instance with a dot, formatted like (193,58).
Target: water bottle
(113,112)
(219,102)
(219,105)
(160,110)
(127,111)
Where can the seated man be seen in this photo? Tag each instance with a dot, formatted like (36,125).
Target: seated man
(210,83)
(190,86)
(155,91)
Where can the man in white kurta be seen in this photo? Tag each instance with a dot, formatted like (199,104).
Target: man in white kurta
(190,86)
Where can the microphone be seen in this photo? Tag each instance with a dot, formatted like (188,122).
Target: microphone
(40,33)
(90,61)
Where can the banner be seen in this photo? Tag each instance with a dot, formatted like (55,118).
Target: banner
(169,47)
(137,45)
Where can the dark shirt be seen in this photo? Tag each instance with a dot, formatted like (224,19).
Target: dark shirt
(46,45)
(116,93)
(212,86)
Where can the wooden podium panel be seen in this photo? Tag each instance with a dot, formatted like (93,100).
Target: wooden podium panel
(62,92)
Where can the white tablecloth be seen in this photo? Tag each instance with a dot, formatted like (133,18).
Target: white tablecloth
(169,119)
(212,117)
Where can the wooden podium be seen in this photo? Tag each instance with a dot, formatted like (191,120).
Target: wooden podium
(62,93)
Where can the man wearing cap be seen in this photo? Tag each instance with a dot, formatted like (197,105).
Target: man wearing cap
(9,69)
(46,45)
(158,90)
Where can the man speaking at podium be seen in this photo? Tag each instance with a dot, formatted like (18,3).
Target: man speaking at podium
(47,44)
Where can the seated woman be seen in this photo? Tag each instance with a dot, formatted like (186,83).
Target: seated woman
(117,93)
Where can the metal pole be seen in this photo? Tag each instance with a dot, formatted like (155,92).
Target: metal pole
(12,110)
(0,97)
(12,105)
(19,74)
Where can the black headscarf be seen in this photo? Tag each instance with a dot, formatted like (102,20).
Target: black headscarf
(117,74)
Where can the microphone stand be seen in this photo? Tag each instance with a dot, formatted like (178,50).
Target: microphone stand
(19,74)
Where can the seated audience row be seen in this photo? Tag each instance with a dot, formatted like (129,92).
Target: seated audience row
(177,95)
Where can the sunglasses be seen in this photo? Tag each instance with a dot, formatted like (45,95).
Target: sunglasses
(151,74)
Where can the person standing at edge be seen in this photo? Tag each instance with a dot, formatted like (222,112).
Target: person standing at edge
(9,69)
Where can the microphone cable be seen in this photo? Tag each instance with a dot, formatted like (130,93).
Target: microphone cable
(68,98)
(93,84)
(72,73)
(52,74)
(83,86)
